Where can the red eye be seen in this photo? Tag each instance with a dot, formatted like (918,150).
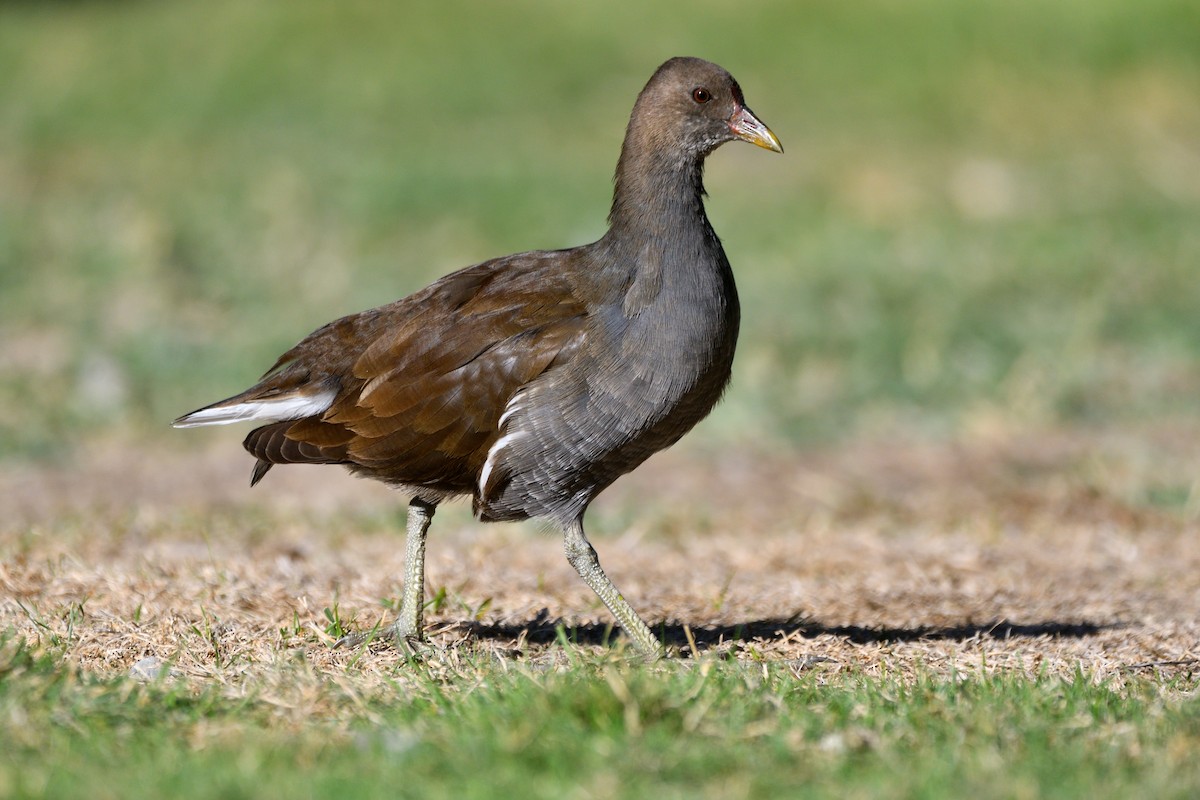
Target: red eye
(701,95)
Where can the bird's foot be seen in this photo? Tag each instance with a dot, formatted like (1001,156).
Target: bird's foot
(408,641)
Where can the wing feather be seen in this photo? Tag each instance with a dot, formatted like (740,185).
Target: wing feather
(422,382)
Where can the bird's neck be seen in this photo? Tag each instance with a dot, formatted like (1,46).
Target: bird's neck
(660,246)
(658,194)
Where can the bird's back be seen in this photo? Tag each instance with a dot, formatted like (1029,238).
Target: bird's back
(411,393)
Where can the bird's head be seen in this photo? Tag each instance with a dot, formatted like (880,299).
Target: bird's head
(698,106)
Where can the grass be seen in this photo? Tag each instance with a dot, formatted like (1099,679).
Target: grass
(984,230)
(594,727)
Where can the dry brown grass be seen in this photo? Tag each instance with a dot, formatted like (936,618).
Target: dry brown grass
(1033,552)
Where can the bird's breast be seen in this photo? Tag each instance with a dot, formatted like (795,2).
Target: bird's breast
(643,375)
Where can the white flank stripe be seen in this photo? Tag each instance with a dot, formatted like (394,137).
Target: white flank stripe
(512,406)
(284,408)
(488,463)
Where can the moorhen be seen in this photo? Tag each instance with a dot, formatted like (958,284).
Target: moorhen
(531,382)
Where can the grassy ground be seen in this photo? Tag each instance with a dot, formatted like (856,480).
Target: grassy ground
(940,539)
(1005,619)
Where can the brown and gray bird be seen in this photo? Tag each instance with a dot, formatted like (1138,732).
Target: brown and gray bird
(532,382)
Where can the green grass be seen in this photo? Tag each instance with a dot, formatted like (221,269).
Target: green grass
(596,728)
(986,209)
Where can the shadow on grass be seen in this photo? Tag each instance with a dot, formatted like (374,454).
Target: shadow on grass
(543,629)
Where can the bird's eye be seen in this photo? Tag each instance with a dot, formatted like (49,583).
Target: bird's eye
(701,95)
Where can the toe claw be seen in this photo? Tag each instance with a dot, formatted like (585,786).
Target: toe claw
(349,640)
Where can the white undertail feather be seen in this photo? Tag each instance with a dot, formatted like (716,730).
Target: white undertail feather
(274,410)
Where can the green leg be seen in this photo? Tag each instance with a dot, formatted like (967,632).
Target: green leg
(583,558)
(407,629)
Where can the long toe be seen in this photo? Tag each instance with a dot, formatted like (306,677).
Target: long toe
(398,634)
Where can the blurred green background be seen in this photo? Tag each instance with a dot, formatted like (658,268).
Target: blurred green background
(988,215)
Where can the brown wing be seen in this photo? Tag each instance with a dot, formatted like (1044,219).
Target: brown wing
(421,383)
